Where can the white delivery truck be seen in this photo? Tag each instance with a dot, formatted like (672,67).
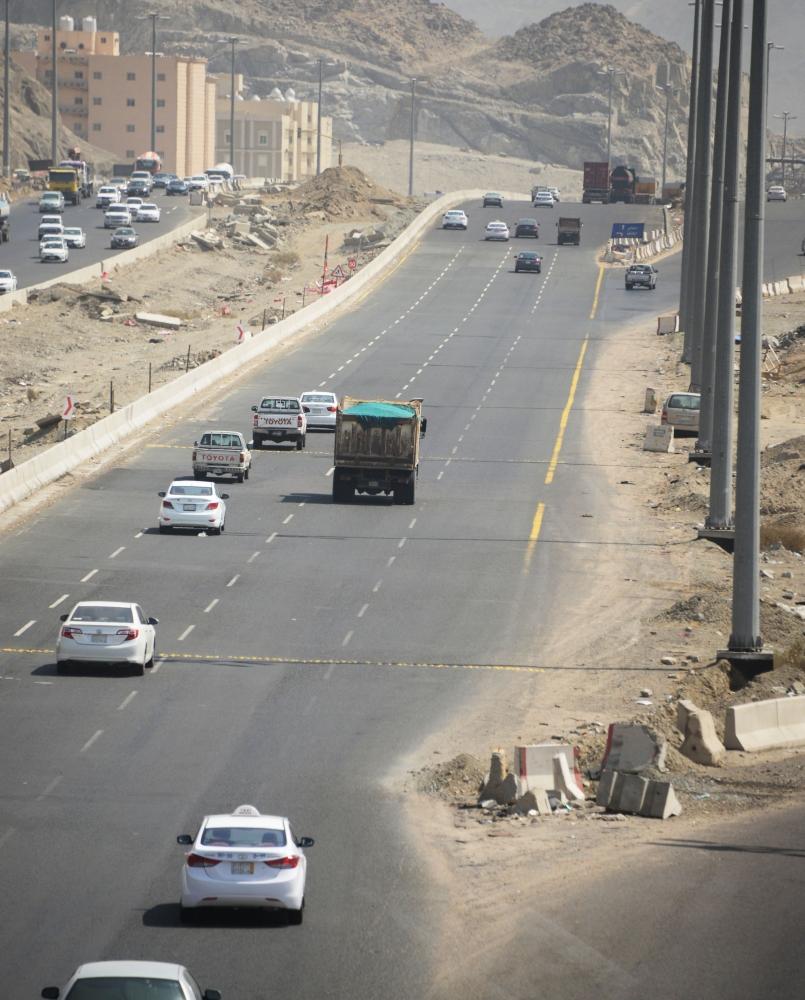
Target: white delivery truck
(221,455)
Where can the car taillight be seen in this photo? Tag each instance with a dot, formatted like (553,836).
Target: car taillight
(306,409)
(196,861)
(664,416)
(331,409)
(213,505)
(69,631)
(299,420)
(290,862)
(194,456)
(168,504)
(129,633)
(254,420)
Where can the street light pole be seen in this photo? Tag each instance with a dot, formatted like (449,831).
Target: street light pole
(154,16)
(411,149)
(6,103)
(787,117)
(770,47)
(318,123)
(54,93)
(687,243)
(668,91)
(232,41)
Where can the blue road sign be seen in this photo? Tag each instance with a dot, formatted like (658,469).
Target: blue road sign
(628,230)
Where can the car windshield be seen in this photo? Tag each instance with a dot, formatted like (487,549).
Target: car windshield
(317,397)
(125,988)
(249,836)
(124,232)
(6,274)
(528,255)
(72,232)
(150,208)
(270,403)
(526,222)
(190,490)
(102,613)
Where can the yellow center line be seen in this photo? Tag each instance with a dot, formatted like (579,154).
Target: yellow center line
(536,525)
(574,382)
(597,291)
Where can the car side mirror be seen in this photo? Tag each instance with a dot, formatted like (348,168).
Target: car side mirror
(195,444)
(423,426)
(305,842)
(254,409)
(224,496)
(51,992)
(185,839)
(211,995)
(63,618)
(161,493)
(153,621)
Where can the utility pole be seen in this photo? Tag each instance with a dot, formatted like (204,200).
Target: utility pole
(701,209)
(610,72)
(745,636)
(154,16)
(770,47)
(787,117)
(707,360)
(318,123)
(668,91)
(54,94)
(687,243)
(411,150)
(232,41)
(6,103)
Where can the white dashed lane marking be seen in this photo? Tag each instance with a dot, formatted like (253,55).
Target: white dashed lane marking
(24,627)
(93,739)
(58,601)
(88,576)
(211,605)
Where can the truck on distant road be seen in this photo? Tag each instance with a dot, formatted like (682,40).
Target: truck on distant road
(221,454)
(67,181)
(568,230)
(150,161)
(629,187)
(377,448)
(596,182)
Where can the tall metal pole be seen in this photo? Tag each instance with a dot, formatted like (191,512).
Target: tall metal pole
(153,81)
(232,42)
(720,515)
(6,103)
(54,94)
(701,208)
(786,116)
(318,124)
(668,90)
(707,360)
(745,635)
(687,244)
(611,72)
(770,47)
(411,149)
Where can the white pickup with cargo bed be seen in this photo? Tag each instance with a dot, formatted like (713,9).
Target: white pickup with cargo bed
(279,418)
(221,454)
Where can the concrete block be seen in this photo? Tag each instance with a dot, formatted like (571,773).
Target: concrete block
(667,324)
(536,799)
(701,743)
(765,725)
(633,748)
(534,768)
(796,282)
(500,784)
(659,438)
(660,801)
(606,788)
(630,793)
(157,319)
(564,780)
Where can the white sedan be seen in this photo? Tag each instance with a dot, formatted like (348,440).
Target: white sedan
(160,980)
(189,503)
(8,282)
(776,193)
(543,199)
(53,249)
(75,237)
(106,632)
(245,859)
(497,231)
(320,408)
(455,218)
(133,205)
(148,212)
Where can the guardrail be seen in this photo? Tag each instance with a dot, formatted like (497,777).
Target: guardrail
(37,472)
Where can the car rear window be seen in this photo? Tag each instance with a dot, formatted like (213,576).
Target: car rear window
(220,441)
(318,397)
(249,836)
(125,988)
(181,490)
(102,613)
(279,403)
(684,402)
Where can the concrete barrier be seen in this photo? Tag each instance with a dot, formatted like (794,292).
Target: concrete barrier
(534,765)
(667,324)
(764,725)
(796,283)
(67,456)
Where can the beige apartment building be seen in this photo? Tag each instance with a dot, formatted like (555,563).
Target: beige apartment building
(105,97)
(275,139)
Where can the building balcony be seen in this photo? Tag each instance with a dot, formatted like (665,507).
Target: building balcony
(71,84)
(76,110)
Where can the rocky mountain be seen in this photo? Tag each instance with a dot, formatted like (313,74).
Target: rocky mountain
(538,93)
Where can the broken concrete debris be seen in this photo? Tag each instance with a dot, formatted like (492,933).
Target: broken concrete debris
(701,743)
(632,793)
(633,748)
(158,319)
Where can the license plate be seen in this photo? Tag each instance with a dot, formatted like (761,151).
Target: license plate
(98,638)
(373,482)
(188,506)
(243,868)
(276,434)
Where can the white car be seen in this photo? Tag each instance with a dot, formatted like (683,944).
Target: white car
(106,632)
(106,196)
(455,218)
(51,201)
(148,212)
(51,220)
(776,193)
(75,237)
(554,192)
(136,979)
(245,859)
(199,182)
(543,199)
(496,231)
(320,408)
(133,205)
(190,503)
(53,249)
(47,229)
(116,215)
(8,282)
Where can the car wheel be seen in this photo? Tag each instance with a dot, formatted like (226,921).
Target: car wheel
(187,914)
(150,663)
(139,669)
(62,666)
(300,443)
(239,478)
(257,443)
(295,917)
(164,529)
(246,474)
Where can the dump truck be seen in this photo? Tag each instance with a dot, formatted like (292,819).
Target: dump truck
(84,170)
(568,230)
(66,180)
(596,182)
(377,448)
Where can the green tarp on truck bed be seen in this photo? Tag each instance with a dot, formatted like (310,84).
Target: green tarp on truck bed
(380,413)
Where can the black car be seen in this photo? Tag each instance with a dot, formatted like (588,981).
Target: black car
(161,180)
(124,238)
(138,189)
(527,227)
(528,260)
(177,186)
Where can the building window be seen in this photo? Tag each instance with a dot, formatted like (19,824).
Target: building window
(97,101)
(103,39)
(79,74)
(262,139)
(160,128)
(47,38)
(129,154)
(130,128)
(130,102)
(78,100)
(81,45)
(97,75)
(161,77)
(160,102)
(227,137)
(131,76)
(96,126)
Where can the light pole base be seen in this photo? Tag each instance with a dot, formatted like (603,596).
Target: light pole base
(723,537)
(749,662)
(700,456)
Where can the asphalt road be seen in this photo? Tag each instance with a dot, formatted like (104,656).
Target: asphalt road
(308,651)
(21,253)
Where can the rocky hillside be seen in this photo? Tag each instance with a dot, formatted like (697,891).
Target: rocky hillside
(536,94)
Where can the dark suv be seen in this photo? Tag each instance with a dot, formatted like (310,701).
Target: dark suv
(493,198)
(528,260)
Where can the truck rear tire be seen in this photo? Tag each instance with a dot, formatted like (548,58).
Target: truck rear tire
(407,491)
(342,491)
(257,442)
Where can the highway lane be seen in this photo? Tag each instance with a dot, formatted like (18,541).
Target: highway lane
(319,635)
(21,253)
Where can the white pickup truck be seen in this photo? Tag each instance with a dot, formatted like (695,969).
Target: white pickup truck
(221,454)
(279,418)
